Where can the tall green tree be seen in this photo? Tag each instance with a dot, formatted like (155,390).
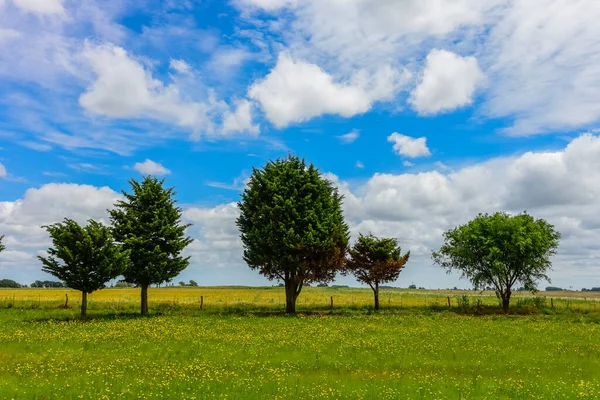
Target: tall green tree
(374,261)
(148,224)
(292,226)
(500,250)
(85,258)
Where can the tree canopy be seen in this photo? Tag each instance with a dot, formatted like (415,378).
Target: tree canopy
(500,250)
(2,247)
(9,283)
(85,258)
(375,261)
(292,226)
(148,224)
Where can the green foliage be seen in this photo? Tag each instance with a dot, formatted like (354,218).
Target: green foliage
(500,250)
(149,225)
(463,302)
(85,258)
(47,284)
(2,247)
(9,283)
(292,225)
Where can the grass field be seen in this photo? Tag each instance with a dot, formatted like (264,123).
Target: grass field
(238,347)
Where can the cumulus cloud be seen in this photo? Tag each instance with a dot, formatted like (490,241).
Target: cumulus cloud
(240,120)
(2,171)
(150,167)
(349,137)
(296,91)
(124,89)
(448,82)
(408,146)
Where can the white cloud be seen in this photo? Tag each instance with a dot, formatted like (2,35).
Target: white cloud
(543,59)
(8,34)
(36,145)
(124,89)
(408,164)
(150,167)
(2,171)
(349,137)
(240,120)
(42,7)
(296,91)
(449,82)
(227,59)
(180,66)
(359,165)
(409,146)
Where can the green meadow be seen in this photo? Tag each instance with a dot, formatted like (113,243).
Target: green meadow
(246,351)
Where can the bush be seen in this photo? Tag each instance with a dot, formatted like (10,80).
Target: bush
(463,302)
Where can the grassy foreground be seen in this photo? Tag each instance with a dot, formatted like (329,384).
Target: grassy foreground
(182,352)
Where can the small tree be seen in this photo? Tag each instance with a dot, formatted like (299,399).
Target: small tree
(89,256)
(375,261)
(2,247)
(182,283)
(193,283)
(500,250)
(292,226)
(148,223)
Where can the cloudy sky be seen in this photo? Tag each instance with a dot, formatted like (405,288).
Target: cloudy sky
(423,112)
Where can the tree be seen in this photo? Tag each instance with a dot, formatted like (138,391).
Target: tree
(500,250)
(90,257)
(182,283)
(292,226)
(375,261)
(9,283)
(148,224)
(2,247)
(193,283)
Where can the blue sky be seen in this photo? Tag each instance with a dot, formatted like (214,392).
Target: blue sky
(424,113)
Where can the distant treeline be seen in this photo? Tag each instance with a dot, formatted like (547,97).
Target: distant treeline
(9,283)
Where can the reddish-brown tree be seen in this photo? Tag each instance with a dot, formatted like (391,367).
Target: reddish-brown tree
(375,261)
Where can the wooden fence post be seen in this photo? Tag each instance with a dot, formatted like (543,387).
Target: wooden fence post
(66,300)
(552,303)
(331,303)
(449,302)
(201,302)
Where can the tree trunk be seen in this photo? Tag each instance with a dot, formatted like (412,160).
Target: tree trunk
(376,293)
(83,305)
(506,302)
(144,299)
(292,290)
